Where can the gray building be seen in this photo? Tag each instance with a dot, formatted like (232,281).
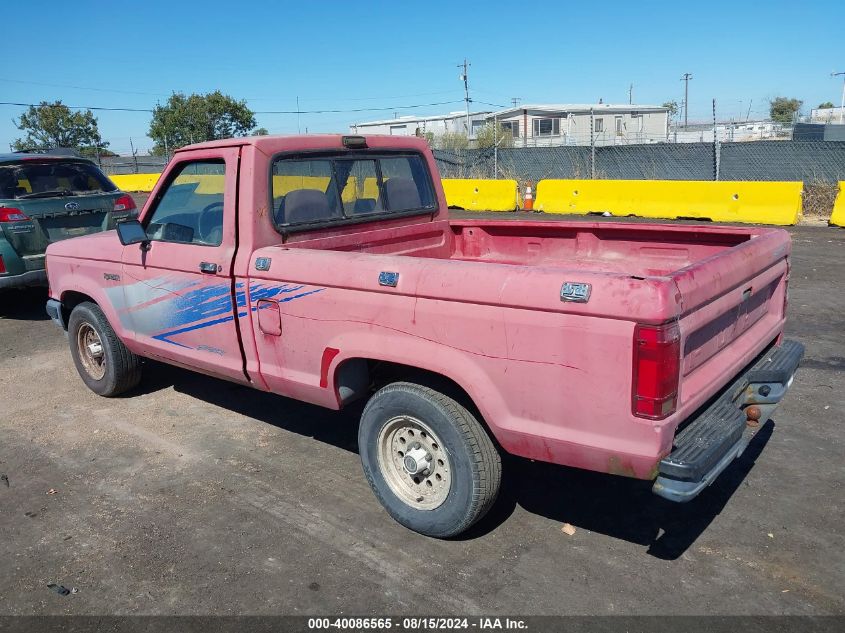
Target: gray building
(544,125)
(412,125)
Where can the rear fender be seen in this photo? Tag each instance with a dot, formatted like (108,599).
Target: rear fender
(459,367)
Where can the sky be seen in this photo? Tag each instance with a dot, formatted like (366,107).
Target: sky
(336,55)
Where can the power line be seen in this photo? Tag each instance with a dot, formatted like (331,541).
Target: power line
(401,107)
(494,105)
(52,85)
(49,105)
(330,111)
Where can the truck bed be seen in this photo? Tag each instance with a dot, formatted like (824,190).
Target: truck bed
(491,291)
(629,249)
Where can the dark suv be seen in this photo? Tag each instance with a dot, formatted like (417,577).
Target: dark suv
(46,198)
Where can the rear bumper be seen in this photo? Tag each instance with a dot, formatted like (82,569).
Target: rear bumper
(719,433)
(30,278)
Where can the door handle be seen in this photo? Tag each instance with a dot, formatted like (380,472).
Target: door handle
(208,268)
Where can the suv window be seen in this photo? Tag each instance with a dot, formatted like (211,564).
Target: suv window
(334,188)
(48,179)
(190,209)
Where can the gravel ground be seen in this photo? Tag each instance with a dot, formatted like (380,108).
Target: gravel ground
(196,496)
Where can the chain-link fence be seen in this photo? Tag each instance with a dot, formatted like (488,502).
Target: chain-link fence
(809,161)
(119,165)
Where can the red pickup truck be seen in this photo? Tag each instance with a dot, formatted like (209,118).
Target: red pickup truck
(326,269)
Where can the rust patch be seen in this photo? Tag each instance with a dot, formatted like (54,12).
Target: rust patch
(615,466)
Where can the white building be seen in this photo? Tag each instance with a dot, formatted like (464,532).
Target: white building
(726,132)
(412,125)
(827,115)
(577,124)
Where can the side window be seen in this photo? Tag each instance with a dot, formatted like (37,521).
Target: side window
(190,210)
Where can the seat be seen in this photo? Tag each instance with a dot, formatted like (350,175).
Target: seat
(364,205)
(402,194)
(305,205)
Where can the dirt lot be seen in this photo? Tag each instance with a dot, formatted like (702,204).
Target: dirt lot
(195,496)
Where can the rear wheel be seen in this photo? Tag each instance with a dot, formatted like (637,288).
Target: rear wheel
(428,460)
(102,360)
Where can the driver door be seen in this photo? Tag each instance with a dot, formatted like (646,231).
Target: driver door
(178,292)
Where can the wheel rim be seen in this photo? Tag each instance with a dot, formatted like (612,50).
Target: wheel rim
(91,351)
(414,463)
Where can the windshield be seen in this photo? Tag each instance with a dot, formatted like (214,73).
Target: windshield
(32,179)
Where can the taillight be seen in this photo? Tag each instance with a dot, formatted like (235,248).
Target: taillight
(2,266)
(657,359)
(10,214)
(124,203)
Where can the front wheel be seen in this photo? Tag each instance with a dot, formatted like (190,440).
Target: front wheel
(101,358)
(428,460)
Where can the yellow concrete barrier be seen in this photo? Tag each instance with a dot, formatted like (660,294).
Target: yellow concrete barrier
(481,195)
(135,182)
(837,218)
(754,202)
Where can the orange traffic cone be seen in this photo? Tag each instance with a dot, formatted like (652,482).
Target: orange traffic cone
(528,198)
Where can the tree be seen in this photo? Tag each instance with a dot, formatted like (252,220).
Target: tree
(826,105)
(260,131)
(94,152)
(673,108)
(488,136)
(53,125)
(452,141)
(783,109)
(194,118)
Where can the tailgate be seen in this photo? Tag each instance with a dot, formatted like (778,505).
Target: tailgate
(52,221)
(733,306)
(62,218)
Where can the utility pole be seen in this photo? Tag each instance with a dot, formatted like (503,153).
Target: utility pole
(515,101)
(630,94)
(685,79)
(842,101)
(465,79)
(298,125)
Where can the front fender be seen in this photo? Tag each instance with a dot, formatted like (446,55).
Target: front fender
(98,280)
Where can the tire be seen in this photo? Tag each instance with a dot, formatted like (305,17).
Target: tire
(108,369)
(457,468)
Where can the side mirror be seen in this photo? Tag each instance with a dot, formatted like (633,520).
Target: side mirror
(131,232)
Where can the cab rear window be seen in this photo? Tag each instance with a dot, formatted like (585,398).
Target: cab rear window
(348,187)
(33,179)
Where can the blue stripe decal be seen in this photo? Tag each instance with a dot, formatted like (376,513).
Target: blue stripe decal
(211,301)
(165,337)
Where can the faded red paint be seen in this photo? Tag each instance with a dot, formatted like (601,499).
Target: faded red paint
(477,301)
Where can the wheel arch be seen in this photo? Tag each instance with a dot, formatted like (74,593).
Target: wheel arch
(72,298)
(76,293)
(359,376)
